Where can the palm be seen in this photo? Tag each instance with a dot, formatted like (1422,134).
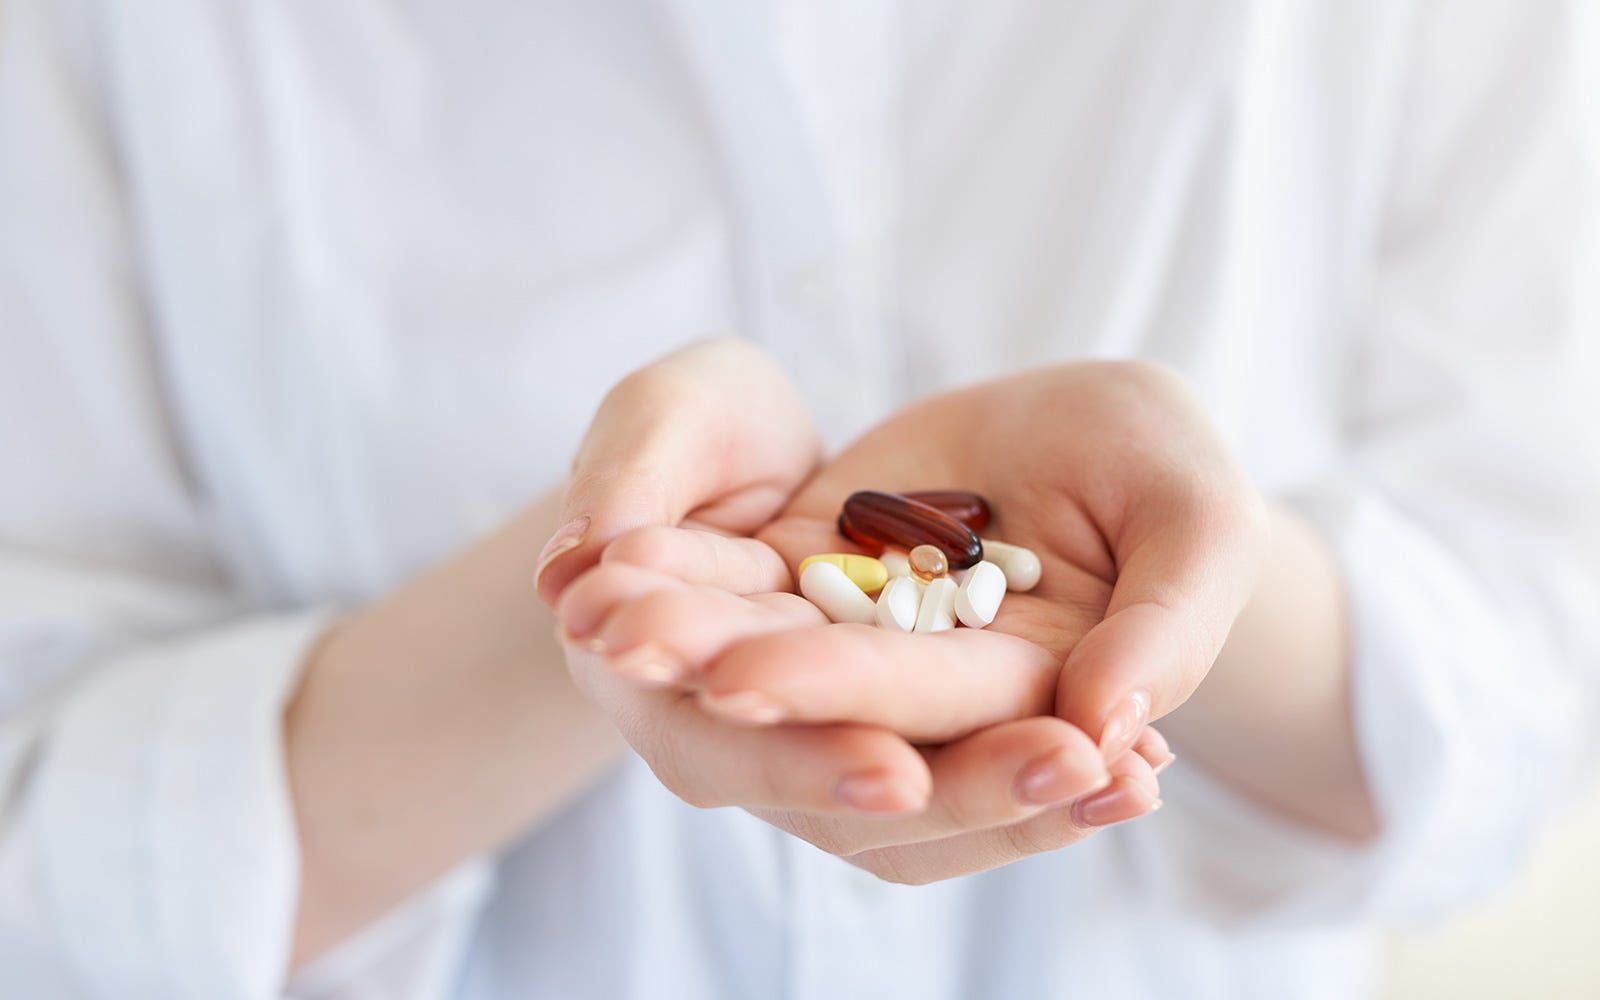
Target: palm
(1076,584)
(1057,455)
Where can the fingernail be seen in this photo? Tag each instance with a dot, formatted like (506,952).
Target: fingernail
(589,644)
(569,537)
(1115,805)
(875,793)
(750,707)
(648,664)
(1122,728)
(1047,780)
(1164,764)
(1152,745)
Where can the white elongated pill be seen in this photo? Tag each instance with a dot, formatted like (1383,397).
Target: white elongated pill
(896,562)
(978,598)
(826,586)
(899,602)
(1020,565)
(938,611)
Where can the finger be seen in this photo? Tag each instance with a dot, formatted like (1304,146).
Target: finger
(714,428)
(1133,792)
(1131,668)
(1007,772)
(1188,555)
(669,635)
(739,565)
(927,687)
(992,778)
(1152,746)
(1052,829)
(707,763)
(844,769)
(591,598)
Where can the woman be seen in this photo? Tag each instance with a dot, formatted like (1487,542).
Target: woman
(298,302)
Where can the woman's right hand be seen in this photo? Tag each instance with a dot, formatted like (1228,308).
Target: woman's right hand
(684,461)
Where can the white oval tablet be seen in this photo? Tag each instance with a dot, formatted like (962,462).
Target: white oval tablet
(826,586)
(896,562)
(1020,565)
(978,598)
(938,611)
(898,603)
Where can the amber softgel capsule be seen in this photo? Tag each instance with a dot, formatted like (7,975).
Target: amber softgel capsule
(927,563)
(965,506)
(876,518)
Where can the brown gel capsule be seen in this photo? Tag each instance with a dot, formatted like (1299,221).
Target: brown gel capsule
(965,506)
(928,563)
(874,518)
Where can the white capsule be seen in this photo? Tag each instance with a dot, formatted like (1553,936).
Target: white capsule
(938,611)
(898,603)
(896,562)
(826,586)
(1020,565)
(978,598)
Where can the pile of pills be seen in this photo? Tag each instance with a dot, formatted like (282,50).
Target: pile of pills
(932,569)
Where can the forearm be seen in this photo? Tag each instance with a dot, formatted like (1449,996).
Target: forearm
(430,728)
(1273,719)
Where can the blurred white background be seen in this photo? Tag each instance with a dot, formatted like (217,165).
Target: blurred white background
(1539,938)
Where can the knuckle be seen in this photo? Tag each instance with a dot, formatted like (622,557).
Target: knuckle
(1139,378)
(1046,832)
(591,478)
(719,348)
(1021,839)
(660,398)
(1035,836)
(653,388)
(580,676)
(955,813)
(670,769)
(651,619)
(889,866)
(595,588)
(599,581)
(648,547)
(1254,519)
(699,801)
(690,792)
(824,834)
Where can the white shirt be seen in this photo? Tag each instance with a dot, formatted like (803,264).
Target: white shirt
(296,299)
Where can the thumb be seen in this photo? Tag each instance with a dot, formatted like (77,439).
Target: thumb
(1185,572)
(713,430)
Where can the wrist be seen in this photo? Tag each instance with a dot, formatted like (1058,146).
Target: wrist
(1274,716)
(429,728)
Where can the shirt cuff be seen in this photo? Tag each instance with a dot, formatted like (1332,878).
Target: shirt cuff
(414,952)
(1447,720)
(1454,707)
(168,853)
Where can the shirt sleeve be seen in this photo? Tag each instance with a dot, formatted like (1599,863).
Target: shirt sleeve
(1467,519)
(147,839)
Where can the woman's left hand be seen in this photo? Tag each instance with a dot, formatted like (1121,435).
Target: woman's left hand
(1149,534)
